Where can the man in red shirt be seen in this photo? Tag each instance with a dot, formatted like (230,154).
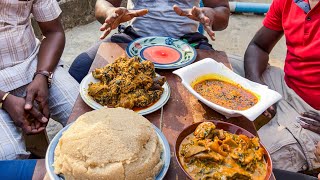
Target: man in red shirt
(292,135)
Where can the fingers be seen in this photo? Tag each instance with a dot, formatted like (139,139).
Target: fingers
(29,99)
(137,13)
(45,109)
(309,121)
(105,33)
(270,112)
(310,127)
(113,16)
(31,128)
(312,115)
(211,33)
(38,115)
(184,12)
(267,114)
(109,23)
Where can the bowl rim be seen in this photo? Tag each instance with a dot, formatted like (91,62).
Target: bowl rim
(177,145)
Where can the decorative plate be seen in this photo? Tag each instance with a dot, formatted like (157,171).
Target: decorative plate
(84,85)
(164,52)
(165,156)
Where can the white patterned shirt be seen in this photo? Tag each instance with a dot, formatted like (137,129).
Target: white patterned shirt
(18,44)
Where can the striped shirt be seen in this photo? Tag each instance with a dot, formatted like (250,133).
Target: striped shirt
(18,44)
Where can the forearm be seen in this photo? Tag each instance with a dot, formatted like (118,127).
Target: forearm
(102,6)
(51,49)
(220,17)
(257,54)
(255,63)
(219,12)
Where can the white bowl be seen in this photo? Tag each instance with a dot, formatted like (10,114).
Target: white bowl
(190,73)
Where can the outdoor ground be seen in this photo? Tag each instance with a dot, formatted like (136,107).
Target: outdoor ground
(233,40)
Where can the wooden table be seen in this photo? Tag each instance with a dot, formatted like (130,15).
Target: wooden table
(181,110)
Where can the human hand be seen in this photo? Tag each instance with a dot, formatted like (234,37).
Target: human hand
(117,16)
(30,123)
(38,91)
(270,112)
(198,14)
(310,120)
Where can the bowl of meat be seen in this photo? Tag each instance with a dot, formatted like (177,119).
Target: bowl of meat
(220,150)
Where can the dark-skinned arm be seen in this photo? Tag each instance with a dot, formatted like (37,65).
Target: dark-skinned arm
(214,16)
(51,49)
(103,6)
(110,15)
(220,13)
(256,58)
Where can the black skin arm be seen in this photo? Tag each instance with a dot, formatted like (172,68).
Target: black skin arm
(52,45)
(102,6)
(220,9)
(33,119)
(220,15)
(256,57)
(51,49)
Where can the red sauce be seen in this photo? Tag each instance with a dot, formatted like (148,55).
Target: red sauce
(136,109)
(161,54)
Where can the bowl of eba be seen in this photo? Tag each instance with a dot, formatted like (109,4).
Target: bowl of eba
(221,89)
(220,150)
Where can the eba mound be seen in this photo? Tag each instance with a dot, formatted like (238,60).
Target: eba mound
(110,143)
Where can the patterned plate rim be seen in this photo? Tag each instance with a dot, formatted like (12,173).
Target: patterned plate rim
(167,66)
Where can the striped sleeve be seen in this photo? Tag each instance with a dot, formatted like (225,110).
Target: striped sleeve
(45,10)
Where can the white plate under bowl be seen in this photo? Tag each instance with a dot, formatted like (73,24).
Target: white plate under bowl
(84,85)
(267,97)
(165,155)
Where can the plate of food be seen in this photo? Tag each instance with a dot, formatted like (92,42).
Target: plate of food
(225,91)
(220,150)
(106,143)
(126,83)
(164,52)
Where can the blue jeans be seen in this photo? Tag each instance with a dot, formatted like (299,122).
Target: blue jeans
(17,169)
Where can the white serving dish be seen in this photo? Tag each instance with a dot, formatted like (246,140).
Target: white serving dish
(206,66)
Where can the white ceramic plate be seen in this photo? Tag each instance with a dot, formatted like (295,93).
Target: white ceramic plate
(206,66)
(174,53)
(165,156)
(84,85)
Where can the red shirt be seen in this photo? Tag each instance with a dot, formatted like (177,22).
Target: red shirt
(302,33)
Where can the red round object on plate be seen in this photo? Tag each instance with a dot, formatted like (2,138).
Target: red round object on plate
(161,54)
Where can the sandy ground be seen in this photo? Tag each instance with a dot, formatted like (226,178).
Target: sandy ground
(233,40)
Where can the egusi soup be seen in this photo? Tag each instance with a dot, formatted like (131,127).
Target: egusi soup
(209,153)
(225,94)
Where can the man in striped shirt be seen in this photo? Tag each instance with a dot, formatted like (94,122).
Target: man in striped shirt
(29,93)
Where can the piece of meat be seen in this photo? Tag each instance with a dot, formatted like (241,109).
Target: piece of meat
(192,150)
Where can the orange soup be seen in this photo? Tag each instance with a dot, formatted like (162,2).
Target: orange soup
(225,94)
